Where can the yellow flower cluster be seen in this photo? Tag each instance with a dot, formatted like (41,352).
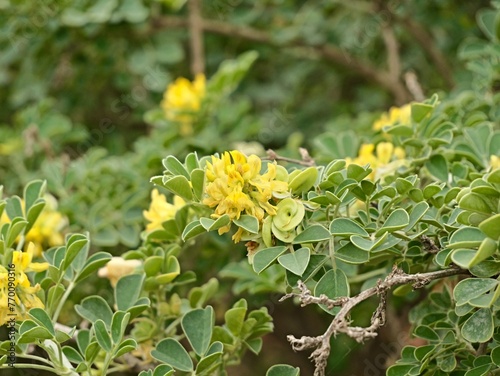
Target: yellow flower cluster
(395,115)
(235,186)
(47,231)
(379,158)
(15,280)
(182,100)
(160,210)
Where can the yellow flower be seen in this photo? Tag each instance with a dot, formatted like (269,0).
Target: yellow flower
(47,229)
(160,210)
(235,186)
(15,279)
(118,267)
(395,115)
(182,100)
(383,160)
(22,261)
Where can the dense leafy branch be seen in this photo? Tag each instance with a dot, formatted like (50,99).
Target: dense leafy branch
(341,322)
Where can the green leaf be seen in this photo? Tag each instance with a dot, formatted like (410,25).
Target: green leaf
(416,214)
(351,254)
(118,325)
(491,227)
(333,284)
(296,261)
(463,257)
(426,332)
(197,325)
(42,318)
(209,364)
(248,223)
(128,290)
(33,213)
(479,327)
(171,352)
(234,319)
(126,346)
(479,371)
(419,111)
(102,335)
(400,370)
(179,185)
(312,234)
(92,351)
(74,245)
(15,228)
(398,219)
(94,262)
(264,258)
(471,288)
(467,237)
(303,181)
(283,370)
(94,308)
(83,339)
(474,202)
(175,167)
(72,355)
(346,227)
(14,208)
(198,181)
(193,229)
(438,167)
(254,345)
(33,191)
(495,356)
(487,248)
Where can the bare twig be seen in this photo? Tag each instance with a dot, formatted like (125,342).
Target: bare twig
(306,158)
(196,37)
(341,322)
(413,86)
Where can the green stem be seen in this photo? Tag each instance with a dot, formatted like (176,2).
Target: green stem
(367,275)
(331,251)
(61,302)
(34,357)
(31,366)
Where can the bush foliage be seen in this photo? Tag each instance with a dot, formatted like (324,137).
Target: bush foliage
(130,194)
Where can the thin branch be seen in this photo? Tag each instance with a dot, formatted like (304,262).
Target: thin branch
(413,86)
(306,158)
(196,37)
(328,52)
(341,322)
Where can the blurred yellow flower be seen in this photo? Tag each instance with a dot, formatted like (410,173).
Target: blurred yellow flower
(182,100)
(15,279)
(383,159)
(118,267)
(235,186)
(47,231)
(160,210)
(494,162)
(395,115)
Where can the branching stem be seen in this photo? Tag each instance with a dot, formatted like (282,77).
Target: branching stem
(341,322)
